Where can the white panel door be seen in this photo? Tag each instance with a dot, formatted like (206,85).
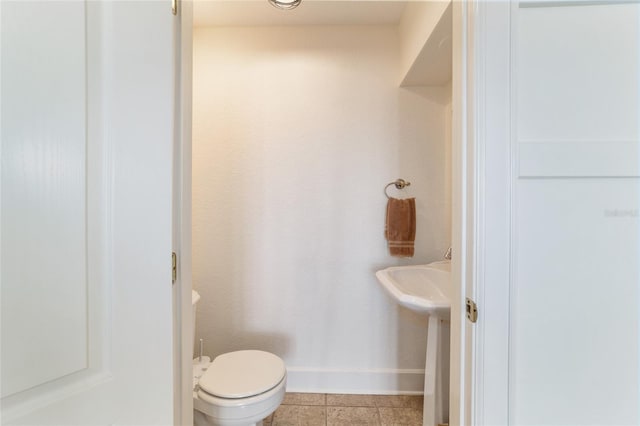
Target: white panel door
(575,289)
(87,110)
(557,122)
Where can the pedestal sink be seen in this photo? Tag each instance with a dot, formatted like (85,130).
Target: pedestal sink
(425,289)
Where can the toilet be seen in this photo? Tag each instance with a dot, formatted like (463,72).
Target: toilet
(237,388)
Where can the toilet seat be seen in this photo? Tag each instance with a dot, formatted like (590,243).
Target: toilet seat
(207,402)
(239,389)
(242,374)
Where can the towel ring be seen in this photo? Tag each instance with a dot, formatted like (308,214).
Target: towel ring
(399,184)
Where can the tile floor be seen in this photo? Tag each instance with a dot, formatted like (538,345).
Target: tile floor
(319,409)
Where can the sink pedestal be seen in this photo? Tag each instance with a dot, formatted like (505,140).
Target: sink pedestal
(436,390)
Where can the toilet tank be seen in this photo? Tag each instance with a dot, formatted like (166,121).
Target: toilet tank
(195,297)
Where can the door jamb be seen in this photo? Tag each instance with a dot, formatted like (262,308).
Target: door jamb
(462,215)
(183,309)
(491,182)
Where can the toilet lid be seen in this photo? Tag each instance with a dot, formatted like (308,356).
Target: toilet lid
(242,374)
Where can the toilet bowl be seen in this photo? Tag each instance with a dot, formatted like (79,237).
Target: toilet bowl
(237,388)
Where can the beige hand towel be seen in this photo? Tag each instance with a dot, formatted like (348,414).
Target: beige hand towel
(400,227)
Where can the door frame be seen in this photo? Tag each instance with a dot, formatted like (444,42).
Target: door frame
(183,308)
(483,194)
(490,166)
(468,352)
(494,131)
(460,407)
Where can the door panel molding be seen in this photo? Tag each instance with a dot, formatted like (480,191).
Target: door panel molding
(565,158)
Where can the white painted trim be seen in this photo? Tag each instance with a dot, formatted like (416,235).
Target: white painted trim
(511,150)
(374,381)
(491,182)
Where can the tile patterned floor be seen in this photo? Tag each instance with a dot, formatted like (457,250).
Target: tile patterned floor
(318,409)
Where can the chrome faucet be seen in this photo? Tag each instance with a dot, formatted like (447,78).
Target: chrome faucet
(447,255)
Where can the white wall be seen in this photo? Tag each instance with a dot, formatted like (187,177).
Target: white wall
(296,133)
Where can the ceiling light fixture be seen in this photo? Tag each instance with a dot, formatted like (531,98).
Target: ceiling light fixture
(285,4)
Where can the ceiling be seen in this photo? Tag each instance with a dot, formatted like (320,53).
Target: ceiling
(310,12)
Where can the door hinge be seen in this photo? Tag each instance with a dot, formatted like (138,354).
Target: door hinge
(174,7)
(174,267)
(472,310)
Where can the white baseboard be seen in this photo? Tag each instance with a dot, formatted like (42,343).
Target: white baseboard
(372,382)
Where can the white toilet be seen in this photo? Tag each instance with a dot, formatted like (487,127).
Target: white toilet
(237,388)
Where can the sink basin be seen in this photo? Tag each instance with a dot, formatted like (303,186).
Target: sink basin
(427,289)
(421,288)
